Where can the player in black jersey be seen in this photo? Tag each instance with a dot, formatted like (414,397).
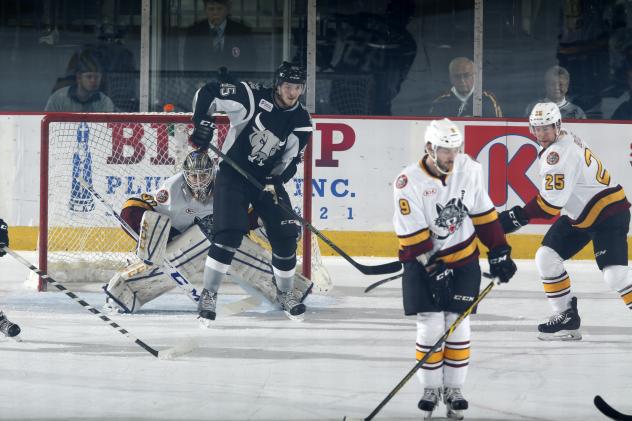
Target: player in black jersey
(269,129)
(6,327)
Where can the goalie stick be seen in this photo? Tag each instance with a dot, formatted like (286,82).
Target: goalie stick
(435,347)
(609,411)
(390,267)
(164,354)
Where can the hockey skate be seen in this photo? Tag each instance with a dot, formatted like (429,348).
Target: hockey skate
(562,326)
(291,305)
(9,329)
(206,307)
(429,401)
(455,403)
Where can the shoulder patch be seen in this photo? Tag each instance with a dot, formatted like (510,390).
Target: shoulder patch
(401,181)
(266,105)
(552,158)
(162,196)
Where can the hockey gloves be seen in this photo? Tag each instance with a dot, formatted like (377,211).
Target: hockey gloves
(500,264)
(4,236)
(441,284)
(270,187)
(512,219)
(202,134)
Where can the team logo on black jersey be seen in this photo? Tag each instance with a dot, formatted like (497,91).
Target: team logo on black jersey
(264,143)
(451,216)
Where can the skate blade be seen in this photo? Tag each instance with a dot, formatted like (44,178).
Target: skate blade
(562,335)
(454,414)
(427,414)
(298,318)
(205,323)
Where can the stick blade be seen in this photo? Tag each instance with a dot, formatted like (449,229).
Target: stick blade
(383,269)
(178,350)
(609,411)
(352,419)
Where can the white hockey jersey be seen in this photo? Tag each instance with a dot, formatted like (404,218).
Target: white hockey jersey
(437,215)
(174,199)
(575,180)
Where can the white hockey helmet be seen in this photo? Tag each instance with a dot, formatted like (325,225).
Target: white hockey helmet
(199,174)
(545,114)
(443,133)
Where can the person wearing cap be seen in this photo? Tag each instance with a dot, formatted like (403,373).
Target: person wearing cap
(85,94)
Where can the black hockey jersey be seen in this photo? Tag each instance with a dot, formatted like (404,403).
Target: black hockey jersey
(263,139)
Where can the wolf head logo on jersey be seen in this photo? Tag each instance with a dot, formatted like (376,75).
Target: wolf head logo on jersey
(451,216)
(264,143)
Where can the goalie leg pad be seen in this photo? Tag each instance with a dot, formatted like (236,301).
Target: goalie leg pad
(153,236)
(252,270)
(139,283)
(118,289)
(187,252)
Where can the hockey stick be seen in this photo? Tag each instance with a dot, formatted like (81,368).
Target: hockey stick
(609,411)
(164,354)
(383,281)
(436,346)
(366,269)
(173,273)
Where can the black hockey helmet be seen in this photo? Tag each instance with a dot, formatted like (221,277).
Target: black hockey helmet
(290,73)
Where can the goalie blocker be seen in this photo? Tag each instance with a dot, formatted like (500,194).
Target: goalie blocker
(139,283)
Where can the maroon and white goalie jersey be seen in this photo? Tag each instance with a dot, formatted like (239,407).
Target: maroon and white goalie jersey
(440,216)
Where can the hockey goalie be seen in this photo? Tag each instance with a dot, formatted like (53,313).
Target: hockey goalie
(176,223)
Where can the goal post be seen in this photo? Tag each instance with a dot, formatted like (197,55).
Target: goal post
(122,155)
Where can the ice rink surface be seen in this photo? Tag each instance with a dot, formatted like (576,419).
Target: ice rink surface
(347,355)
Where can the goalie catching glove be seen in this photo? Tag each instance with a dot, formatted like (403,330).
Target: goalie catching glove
(500,264)
(202,134)
(513,219)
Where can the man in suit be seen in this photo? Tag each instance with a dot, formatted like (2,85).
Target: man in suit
(218,41)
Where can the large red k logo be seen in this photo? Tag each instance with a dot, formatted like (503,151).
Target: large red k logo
(510,155)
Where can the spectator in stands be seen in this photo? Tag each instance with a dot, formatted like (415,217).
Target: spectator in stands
(218,41)
(624,111)
(556,83)
(458,101)
(85,94)
(119,76)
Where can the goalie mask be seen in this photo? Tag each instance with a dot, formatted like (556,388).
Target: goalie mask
(199,174)
(443,136)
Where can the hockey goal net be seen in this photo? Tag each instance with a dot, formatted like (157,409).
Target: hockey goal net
(121,156)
